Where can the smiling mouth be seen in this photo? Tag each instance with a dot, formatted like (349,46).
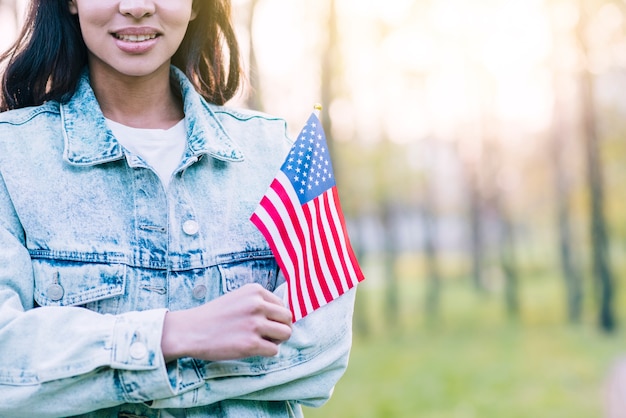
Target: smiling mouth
(134,38)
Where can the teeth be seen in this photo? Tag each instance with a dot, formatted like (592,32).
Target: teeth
(135,38)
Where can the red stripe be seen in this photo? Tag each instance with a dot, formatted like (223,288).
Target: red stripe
(328,256)
(268,236)
(295,280)
(338,262)
(355,264)
(284,236)
(319,273)
(279,188)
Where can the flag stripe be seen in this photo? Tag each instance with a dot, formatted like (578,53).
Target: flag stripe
(355,270)
(339,240)
(331,261)
(270,228)
(321,270)
(338,258)
(281,211)
(261,225)
(282,187)
(277,212)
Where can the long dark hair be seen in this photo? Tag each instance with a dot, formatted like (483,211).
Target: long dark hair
(46,61)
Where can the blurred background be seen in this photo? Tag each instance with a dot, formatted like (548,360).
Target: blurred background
(480,154)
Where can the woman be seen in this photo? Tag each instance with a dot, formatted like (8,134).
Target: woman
(132,283)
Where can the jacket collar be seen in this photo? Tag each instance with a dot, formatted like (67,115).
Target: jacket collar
(88,141)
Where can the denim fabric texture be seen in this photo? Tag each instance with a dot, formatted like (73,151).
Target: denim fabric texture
(94,251)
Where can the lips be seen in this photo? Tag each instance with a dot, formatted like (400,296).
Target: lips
(136,40)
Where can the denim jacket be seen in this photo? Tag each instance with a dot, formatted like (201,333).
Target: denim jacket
(94,250)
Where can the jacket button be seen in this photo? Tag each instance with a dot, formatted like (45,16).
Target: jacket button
(191,227)
(55,292)
(199,292)
(138,351)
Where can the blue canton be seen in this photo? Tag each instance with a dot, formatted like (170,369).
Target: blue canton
(308,165)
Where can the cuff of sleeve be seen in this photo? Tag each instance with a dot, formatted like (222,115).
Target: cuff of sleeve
(137,355)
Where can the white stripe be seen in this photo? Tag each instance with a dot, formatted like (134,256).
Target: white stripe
(301,252)
(319,294)
(267,221)
(293,239)
(331,224)
(353,277)
(327,275)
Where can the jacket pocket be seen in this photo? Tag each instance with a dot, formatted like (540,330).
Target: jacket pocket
(238,273)
(95,286)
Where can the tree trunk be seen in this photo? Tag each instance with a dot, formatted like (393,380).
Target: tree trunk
(329,63)
(570,269)
(391,304)
(254,99)
(508,263)
(476,230)
(431,253)
(599,237)
(505,236)
(361,323)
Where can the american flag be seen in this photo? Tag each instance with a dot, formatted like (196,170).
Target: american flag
(301,218)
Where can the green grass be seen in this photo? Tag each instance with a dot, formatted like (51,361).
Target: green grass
(473,361)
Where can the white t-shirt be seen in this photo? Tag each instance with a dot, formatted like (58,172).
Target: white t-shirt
(162,149)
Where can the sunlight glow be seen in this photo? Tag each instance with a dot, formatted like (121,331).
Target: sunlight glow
(435,68)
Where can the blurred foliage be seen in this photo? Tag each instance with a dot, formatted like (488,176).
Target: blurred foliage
(474,363)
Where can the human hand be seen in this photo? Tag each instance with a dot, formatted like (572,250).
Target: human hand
(249,321)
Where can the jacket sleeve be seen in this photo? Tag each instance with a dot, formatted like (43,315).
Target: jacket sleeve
(60,361)
(306,369)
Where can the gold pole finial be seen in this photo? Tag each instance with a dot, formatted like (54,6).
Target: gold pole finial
(317,109)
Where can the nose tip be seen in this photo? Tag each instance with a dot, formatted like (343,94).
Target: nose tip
(137,8)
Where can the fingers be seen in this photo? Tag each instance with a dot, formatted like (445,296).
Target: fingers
(249,321)
(274,309)
(277,323)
